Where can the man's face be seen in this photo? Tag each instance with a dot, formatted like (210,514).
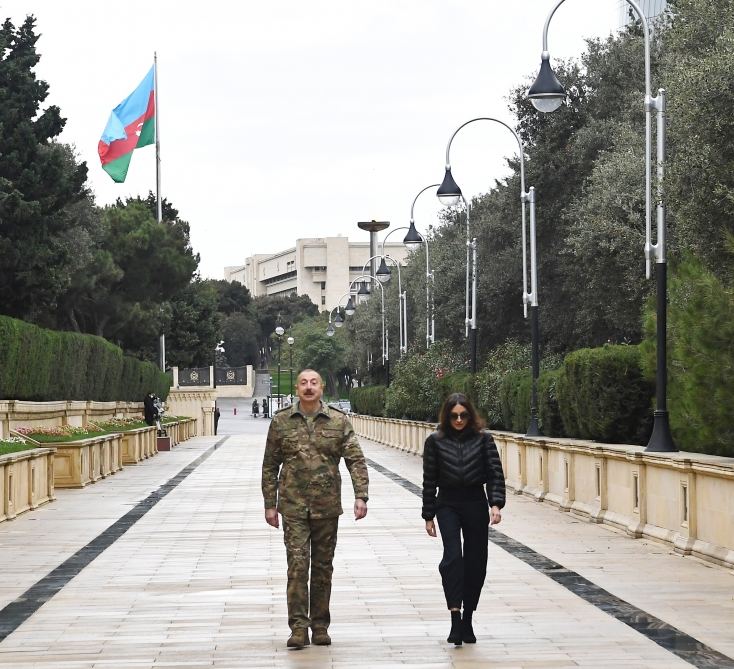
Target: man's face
(308,387)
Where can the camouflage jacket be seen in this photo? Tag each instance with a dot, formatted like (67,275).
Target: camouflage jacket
(300,473)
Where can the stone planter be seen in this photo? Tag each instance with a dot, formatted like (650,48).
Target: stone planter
(136,446)
(26,481)
(78,463)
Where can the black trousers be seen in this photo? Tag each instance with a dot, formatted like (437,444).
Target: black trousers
(463,572)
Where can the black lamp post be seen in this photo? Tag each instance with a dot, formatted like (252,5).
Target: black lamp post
(279,331)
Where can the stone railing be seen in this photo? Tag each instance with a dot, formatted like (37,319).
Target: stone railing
(682,499)
(26,481)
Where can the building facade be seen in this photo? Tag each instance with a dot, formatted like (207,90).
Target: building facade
(320,267)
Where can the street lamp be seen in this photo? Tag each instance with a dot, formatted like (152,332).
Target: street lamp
(449,189)
(291,341)
(547,94)
(279,331)
(217,349)
(385,340)
(413,239)
(383,276)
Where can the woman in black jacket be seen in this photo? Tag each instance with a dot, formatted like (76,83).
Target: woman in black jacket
(459,460)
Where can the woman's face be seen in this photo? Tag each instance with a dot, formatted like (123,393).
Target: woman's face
(459,416)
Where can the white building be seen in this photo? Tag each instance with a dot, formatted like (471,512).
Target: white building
(320,267)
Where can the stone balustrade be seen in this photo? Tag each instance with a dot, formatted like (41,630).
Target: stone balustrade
(26,481)
(684,500)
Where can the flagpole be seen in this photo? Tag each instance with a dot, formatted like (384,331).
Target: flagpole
(159,207)
(157,139)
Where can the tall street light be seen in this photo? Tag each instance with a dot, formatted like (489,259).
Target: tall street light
(547,94)
(449,193)
(279,331)
(413,239)
(383,275)
(349,310)
(290,341)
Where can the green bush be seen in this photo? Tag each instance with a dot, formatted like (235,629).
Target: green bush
(368,400)
(421,382)
(43,365)
(602,395)
(549,414)
(700,359)
(514,396)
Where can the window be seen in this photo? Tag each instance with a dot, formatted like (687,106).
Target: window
(323,300)
(323,285)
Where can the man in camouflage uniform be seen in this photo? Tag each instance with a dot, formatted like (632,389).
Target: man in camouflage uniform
(301,481)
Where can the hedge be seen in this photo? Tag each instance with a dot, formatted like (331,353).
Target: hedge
(368,400)
(603,395)
(42,365)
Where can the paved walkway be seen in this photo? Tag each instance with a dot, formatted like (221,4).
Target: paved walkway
(180,570)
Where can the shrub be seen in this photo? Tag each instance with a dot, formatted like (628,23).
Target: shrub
(700,359)
(602,395)
(421,382)
(514,396)
(369,400)
(549,414)
(41,365)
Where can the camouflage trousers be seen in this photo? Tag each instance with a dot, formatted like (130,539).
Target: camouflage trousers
(309,542)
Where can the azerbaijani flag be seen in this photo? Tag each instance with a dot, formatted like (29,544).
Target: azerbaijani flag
(130,126)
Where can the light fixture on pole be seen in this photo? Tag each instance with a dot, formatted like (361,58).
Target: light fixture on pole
(413,239)
(338,320)
(291,341)
(451,189)
(349,309)
(383,277)
(279,331)
(385,340)
(547,94)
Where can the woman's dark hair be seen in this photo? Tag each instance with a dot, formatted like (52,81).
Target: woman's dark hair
(473,424)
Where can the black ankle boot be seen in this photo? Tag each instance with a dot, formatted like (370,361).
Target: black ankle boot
(467,632)
(455,633)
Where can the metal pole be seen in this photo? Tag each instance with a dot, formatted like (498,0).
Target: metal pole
(163,352)
(533,427)
(661,440)
(474,306)
(280,399)
(290,362)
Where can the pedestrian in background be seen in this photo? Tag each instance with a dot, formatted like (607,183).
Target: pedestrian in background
(464,489)
(301,481)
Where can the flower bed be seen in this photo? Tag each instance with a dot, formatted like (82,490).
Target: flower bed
(15,445)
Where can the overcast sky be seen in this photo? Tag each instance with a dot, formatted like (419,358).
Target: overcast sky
(289,119)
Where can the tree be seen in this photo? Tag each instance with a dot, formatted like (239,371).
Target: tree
(135,267)
(241,334)
(39,179)
(194,326)
(313,349)
(233,296)
(274,310)
(699,60)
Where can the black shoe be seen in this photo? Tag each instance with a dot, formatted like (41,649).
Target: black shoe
(455,633)
(467,632)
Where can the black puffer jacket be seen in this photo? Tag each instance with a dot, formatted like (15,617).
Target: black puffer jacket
(459,461)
